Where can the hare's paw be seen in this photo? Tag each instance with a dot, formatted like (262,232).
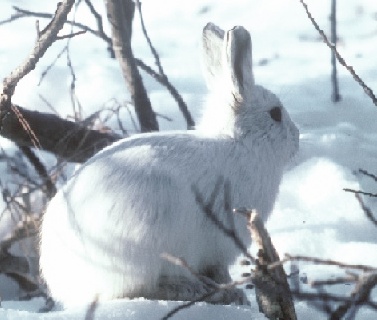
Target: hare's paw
(229,296)
(181,288)
(178,288)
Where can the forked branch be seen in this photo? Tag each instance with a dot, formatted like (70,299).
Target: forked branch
(45,39)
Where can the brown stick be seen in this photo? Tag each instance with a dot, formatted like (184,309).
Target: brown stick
(271,286)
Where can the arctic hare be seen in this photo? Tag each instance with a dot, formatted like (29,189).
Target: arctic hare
(104,232)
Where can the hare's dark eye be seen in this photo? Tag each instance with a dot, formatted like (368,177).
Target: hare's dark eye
(275,114)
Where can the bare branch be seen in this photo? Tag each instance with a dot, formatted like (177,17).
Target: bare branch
(22,13)
(26,228)
(327,262)
(71,35)
(368,174)
(335,281)
(340,59)
(100,31)
(172,90)
(120,14)
(41,170)
(159,77)
(12,18)
(46,38)
(359,296)
(153,49)
(334,75)
(358,192)
(368,212)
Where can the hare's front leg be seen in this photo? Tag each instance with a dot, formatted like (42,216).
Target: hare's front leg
(220,275)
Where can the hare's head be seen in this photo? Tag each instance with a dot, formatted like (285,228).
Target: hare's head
(237,106)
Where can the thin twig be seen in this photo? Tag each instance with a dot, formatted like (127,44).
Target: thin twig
(47,37)
(40,169)
(188,305)
(152,48)
(214,287)
(208,210)
(327,262)
(368,174)
(171,89)
(360,296)
(161,74)
(183,263)
(335,281)
(50,66)
(12,18)
(22,13)
(358,192)
(341,60)
(368,212)
(71,35)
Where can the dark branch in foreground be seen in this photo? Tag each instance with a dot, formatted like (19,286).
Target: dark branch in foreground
(69,140)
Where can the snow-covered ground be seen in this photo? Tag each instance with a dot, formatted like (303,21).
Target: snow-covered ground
(313,215)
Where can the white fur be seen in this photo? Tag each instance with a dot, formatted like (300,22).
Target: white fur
(103,233)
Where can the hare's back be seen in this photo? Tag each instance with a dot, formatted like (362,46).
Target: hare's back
(175,153)
(150,175)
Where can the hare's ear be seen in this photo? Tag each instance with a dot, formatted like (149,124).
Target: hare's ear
(213,38)
(237,62)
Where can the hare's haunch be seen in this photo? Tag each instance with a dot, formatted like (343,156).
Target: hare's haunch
(104,232)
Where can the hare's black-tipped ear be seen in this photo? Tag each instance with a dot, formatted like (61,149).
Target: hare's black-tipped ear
(238,61)
(213,38)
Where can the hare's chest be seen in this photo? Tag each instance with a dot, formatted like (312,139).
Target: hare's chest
(254,186)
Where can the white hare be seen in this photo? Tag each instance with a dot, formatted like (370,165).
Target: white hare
(103,234)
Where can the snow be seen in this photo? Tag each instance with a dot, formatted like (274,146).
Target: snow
(313,215)
(139,309)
